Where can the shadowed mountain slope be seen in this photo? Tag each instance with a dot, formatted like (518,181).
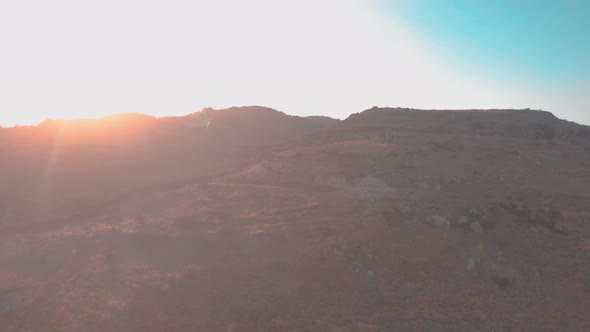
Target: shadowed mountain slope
(56,163)
(391,220)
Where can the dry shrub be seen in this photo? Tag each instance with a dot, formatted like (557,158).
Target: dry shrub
(503,275)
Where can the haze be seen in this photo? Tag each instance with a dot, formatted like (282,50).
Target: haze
(72,59)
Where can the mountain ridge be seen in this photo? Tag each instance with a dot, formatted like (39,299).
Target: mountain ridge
(231,220)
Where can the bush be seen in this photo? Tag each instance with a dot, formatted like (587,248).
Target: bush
(502,275)
(545,217)
(544,131)
(584,131)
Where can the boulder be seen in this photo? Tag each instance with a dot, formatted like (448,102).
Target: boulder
(476,227)
(461,220)
(439,222)
(407,211)
(475,215)
(450,180)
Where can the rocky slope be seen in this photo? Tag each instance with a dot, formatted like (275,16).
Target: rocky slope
(58,166)
(393,219)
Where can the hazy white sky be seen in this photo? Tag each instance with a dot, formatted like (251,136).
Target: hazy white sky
(73,58)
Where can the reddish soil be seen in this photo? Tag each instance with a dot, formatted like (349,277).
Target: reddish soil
(391,220)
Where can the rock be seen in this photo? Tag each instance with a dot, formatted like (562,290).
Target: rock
(476,227)
(451,180)
(370,275)
(500,257)
(439,222)
(475,215)
(539,283)
(423,185)
(533,230)
(547,218)
(558,228)
(407,211)
(11,300)
(462,220)
(421,182)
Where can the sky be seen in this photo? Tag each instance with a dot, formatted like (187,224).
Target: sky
(66,59)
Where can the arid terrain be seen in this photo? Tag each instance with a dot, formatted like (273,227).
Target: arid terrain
(247,219)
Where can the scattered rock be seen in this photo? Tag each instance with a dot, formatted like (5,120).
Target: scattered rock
(539,283)
(462,220)
(439,222)
(312,205)
(545,217)
(503,275)
(475,215)
(474,261)
(421,182)
(407,211)
(11,300)
(259,234)
(423,185)
(500,257)
(476,227)
(450,180)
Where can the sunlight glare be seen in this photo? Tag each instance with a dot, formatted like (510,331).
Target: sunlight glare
(173,58)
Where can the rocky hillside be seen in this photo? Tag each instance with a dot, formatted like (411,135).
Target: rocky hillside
(58,165)
(393,219)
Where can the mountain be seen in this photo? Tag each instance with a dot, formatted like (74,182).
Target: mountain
(60,164)
(393,219)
